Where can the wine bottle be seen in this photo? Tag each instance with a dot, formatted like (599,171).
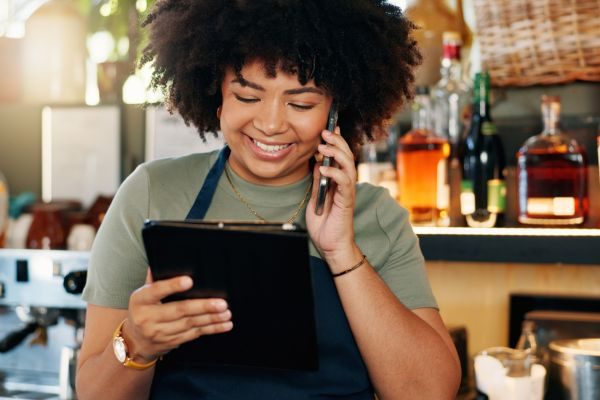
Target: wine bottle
(483,187)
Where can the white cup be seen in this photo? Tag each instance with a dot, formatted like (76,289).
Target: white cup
(81,237)
(16,235)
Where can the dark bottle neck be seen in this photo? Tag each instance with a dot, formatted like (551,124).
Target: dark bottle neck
(481,95)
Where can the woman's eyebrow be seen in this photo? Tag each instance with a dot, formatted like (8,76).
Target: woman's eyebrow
(300,90)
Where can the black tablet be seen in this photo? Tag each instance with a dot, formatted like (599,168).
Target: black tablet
(263,272)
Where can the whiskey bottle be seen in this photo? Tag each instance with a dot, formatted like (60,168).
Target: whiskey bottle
(421,167)
(483,185)
(552,174)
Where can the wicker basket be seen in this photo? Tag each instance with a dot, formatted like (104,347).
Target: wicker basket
(528,42)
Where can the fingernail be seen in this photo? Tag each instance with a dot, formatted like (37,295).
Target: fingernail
(227,326)
(220,305)
(322,169)
(326,133)
(186,282)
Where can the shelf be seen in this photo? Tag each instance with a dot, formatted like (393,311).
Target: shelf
(511,245)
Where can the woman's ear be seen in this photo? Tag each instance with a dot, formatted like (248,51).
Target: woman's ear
(219,112)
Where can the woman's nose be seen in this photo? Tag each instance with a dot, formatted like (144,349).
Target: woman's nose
(271,119)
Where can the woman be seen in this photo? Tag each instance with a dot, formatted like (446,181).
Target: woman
(265,73)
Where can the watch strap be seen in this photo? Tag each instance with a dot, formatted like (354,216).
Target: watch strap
(129,363)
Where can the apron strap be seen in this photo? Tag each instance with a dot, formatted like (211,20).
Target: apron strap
(204,198)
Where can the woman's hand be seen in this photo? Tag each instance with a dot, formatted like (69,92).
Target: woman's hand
(153,328)
(333,231)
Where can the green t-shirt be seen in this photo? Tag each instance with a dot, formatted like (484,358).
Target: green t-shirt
(166,189)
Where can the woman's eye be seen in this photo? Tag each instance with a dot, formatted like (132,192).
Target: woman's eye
(245,99)
(301,106)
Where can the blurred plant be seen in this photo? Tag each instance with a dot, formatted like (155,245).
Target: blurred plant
(120,18)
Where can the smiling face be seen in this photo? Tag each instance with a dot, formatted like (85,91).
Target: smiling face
(272,125)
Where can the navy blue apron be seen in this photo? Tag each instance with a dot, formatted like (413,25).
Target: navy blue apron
(341,374)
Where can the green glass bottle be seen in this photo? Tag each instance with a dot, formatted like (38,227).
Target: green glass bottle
(483,186)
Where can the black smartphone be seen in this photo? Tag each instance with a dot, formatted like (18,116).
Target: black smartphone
(327,161)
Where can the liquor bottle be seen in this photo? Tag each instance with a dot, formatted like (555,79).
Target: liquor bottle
(421,166)
(552,171)
(450,96)
(433,18)
(451,111)
(376,168)
(4,204)
(483,185)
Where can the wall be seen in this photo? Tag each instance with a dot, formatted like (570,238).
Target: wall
(476,295)
(21,144)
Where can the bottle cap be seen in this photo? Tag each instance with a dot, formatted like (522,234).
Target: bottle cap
(452,37)
(547,99)
(451,45)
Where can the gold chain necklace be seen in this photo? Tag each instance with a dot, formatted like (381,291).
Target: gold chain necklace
(256,214)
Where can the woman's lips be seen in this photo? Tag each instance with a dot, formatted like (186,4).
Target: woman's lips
(268,151)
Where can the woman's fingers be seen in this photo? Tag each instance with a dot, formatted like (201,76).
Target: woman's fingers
(177,310)
(335,139)
(344,162)
(337,148)
(149,278)
(197,331)
(153,293)
(166,332)
(191,334)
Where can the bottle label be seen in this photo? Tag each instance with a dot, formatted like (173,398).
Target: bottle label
(467,198)
(488,128)
(496,195)
(443,189)
(559,206)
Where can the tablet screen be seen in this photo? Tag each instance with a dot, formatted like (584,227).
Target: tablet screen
(262,270)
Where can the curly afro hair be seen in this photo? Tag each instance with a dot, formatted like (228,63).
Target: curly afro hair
(359,51)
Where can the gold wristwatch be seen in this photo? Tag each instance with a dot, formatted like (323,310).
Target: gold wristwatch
(120,349)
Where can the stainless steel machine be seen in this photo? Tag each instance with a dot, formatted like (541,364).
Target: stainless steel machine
(41,322)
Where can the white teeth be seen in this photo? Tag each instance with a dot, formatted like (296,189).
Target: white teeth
(269,148)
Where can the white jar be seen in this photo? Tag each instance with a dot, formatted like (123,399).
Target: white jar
(81,237)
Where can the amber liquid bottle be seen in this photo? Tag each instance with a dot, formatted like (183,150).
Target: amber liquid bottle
(552,172)
(421,165)
(4,203)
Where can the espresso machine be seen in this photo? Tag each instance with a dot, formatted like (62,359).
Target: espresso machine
(41,322)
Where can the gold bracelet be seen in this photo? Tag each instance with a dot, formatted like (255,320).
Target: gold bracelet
(352,268)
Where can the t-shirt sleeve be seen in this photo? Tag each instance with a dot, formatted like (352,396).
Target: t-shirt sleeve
(118,261)
(404,269)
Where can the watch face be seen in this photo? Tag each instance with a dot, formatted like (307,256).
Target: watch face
(120,349)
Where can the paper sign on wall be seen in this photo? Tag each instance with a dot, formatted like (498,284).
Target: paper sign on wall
(80,153)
